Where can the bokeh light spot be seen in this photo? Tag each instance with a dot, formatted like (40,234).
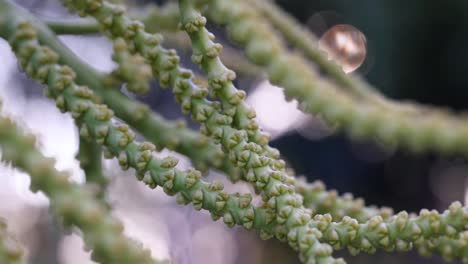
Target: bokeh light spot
(346,45)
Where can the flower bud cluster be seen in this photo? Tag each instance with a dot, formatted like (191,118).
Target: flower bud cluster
(185,89)
(95,122)
(131,69)
(204,112)
(231,124)
(103,234)
(416,127)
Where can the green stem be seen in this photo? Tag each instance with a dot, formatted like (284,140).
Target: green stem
(74,204)
(68,27)
(161,132)
(95,122)
(155,18)
(420,128)
(164,133)
(398,232)
(90,157)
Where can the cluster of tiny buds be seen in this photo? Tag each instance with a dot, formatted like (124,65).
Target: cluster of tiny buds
(329,201)
(131,69)
(167,62)
(103,234)
(285,206)
(253,46)
(390,123)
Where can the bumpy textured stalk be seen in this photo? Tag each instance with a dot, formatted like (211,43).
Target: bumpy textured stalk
(155,21)
(154,129)
(449,249)
(160,132)
(155,18)
(329,202)
(432,223)
(73,204)
(193,99)
(41,63)
(151,125)
(136,31)
(205,53)
(358,243)
(161,18)
(319,194)
(131,69)
(304,40)
(90,157)
(10,250)
(417,127)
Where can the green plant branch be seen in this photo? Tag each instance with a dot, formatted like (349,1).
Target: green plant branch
(131,69)
(421,128)
(166,63)
(303,39)
(10,250)
(449,249)
(71,27)
(90,157)
(75,205)
(94,120)
(206,54)
(163,19)
(321,201)
(155,18)
(151,125)
(157,130)
(416,127)
(315,195)
(424,216)
(245,144)
(119,24)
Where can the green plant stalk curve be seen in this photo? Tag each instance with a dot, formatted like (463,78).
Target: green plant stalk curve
(414,126)
(324,200)
(117,24)
(95,122)
(452,209)
(205,53)
(151,125)
(90,158)
(166,134)
(131,69)
(102,233)
(156,18)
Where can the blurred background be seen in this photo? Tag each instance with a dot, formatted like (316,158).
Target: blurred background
(410,50)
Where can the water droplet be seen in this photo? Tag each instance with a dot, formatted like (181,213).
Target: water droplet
(346,45)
